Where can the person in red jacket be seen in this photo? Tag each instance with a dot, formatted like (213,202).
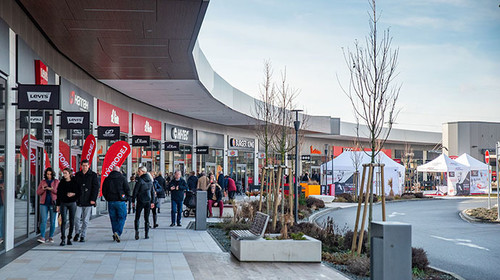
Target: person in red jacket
(231,188)
(47,190)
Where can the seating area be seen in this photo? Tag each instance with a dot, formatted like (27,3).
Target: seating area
(256,231)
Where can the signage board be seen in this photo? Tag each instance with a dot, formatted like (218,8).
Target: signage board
(108,132)
(209,139)
(146,127)
(36,119)
(178,133)
(110,115)
(141,141)
(305,157)
(487,157)
(171,146)
(75,120)
(241,143)
(74,99)
(42,97)
(41,73)
(232,153)
(202,150)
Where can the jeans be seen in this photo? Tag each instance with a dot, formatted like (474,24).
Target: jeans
(176,209)
(219,204)
(64,209)
(44,210)
(82,219)
(139,207)
(117,215)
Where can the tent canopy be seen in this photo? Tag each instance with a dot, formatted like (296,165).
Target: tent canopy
(442,164)
(345,161)
(471,162)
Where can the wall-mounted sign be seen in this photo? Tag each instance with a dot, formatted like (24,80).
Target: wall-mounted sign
(243,143)
(146,127)
(261,155)
(314,151)
(36,119)
(209,139)
(305,157)
(41,73)
(141,141)
(38,97)
(171,146)
(77,133)
(202,150)
(186,149)
(109,115)
(75,99)
(108,132)
(75,120)
(232,153)
(178,133)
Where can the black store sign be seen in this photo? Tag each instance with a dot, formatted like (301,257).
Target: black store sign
(75,120)
(202,150)
(43,97)
(306,157)
(36,119)
(108,132)
(171,146)
(141,141)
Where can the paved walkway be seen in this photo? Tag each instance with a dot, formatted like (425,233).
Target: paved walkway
(170,253)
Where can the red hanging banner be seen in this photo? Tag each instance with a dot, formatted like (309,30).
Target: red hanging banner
(64,153)
(32,158)
(115,156)
(89,148)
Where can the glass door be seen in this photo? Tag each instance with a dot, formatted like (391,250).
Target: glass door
(38,157)
(241,172)
(210,167)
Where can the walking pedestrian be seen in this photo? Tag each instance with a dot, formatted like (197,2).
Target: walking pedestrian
(88,184)
(177,187)
(67,194)
(161,194)
(202,183)
(192,181)
(116,192)
(143,199)
(231,188)
(131,186)
(47,190)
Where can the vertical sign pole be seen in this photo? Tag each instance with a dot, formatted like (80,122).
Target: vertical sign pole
(489,186)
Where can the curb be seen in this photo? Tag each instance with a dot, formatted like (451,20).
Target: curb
(447,272)
(470,219)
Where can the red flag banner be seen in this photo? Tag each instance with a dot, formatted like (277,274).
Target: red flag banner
(89,148)
(32,157)
(115,156)
(64,153)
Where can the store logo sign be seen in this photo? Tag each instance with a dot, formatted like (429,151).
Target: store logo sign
(75,120)
(242,143)
(314,151)
(143,141)
(36,119)
(78,100)
(180,134)
(109,133)
(37,96)
(148,128)
(41,73)
(114,117)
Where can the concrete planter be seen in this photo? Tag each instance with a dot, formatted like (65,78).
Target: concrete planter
(262,250)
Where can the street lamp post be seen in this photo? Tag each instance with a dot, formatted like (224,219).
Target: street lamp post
(296,125)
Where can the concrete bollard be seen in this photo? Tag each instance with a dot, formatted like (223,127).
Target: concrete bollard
(390,257)
(200,222)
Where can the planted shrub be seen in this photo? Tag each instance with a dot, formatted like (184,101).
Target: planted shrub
(419,258)
(346,196)
(348,236)
(359,266)
(315,203)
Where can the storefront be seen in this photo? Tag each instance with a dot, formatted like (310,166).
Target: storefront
(209,152)
(311,160)
(113,125)
(241,160)
(146,150)
(180,158)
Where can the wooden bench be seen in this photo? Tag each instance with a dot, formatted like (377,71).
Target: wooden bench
(256,231)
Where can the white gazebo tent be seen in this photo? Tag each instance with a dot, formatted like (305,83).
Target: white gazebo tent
(478,174)
(340,171)
(455,174)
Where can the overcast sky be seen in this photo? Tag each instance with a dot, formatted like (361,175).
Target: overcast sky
(449,59)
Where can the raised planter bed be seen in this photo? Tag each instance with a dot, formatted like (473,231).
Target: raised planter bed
(288,250)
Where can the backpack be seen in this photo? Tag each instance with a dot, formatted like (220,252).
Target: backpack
(158,187)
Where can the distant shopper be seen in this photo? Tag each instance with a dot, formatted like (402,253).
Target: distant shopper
(192,182)
(88,183)
(220,180)
(305,178)
(161,193)
(159,196)
(231,188)
(67,194)
(177,186)
(47,190)
(143,199)
(131,185)
(214,195)
(116,192)
(202,182)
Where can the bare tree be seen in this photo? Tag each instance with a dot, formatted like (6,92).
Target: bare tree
(372,90)
(356,158)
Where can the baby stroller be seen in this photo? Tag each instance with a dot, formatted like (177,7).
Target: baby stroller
(190,203)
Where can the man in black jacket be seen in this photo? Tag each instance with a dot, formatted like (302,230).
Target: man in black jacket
(144,196)
(115,190)
(177,186)
(86,180)
(192,182)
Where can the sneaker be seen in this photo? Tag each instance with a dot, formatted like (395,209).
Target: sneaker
(156,225)
(179,225)
(136,235)
(63,242)
(172,224)
(82,239)
(116,237)
(51,240)
(76,237)
(41,240)
(69,242)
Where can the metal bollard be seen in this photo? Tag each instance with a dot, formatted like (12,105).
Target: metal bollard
(390,256)
(200,222)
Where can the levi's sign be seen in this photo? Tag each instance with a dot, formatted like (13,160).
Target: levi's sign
(38,97)
(35,120)
(108,132)
(75,120)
